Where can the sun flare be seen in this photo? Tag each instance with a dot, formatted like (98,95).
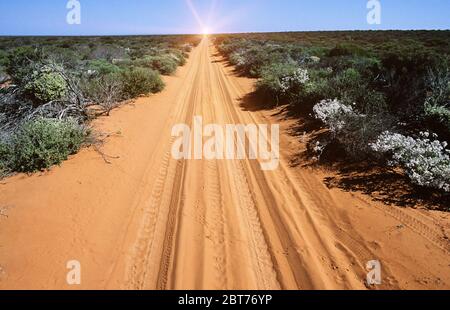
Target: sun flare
(206,31)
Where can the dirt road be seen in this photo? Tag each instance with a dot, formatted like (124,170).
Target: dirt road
(148,221)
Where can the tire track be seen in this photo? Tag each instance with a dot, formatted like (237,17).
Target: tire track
(162,204)
(217,220)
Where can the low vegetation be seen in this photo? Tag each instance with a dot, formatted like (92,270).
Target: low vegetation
(376,92)
(41,143)
(50,88)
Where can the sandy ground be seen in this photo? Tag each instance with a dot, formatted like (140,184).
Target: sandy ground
(147,221)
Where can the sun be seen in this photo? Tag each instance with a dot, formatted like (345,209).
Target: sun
(206,31)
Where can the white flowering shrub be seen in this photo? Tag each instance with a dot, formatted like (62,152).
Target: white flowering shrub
(294,81)
(333,114)
(425,161)
(283,80)
(354,131)
(238,59)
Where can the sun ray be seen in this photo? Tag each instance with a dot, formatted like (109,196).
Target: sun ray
(195,13)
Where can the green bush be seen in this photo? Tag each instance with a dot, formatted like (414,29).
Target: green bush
(102,67)
(3,75)
(5,157)
(3,58)
(165,64)
(272,75)
(437,103)
(40,144)
(353,131)
(178,55)
(140,81)
(20,62)
(47,85)
(347,49)
(438,118)
(106,90)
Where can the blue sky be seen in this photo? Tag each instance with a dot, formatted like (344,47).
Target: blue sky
(115,17)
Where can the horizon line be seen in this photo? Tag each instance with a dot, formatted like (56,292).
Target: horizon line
(218,33)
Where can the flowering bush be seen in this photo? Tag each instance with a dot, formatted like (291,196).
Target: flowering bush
(283,80)
(352,130)
(425,161)
(294,81)
(333,114)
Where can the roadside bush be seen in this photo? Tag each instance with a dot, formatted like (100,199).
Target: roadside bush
(187,47)
(42,143)
(437,104)
(252,59)
(333,114)
(140,81)
(350,86)
(352,130)
(165,64)
(46,85)
(5,158)
(106,91)
(178,55)
(425,161)
(275,78)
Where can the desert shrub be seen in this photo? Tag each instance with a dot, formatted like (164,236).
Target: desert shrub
(187,47)
(102,67)
(318,87)
(20,62)
(140,81)
(68,57)
(3,76)
(3,58)
(46,85)
(438,114)
(41,143)
(346,49)
(5,158)
(178,55)
(277,78)
(425,161)
(106,91)
(437,103)
(294,83)
(354,131)
(333,113)
(350,86)
(108,52)
(250,58)
(123,63)
(368,67)
(405,68)
(165,64)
